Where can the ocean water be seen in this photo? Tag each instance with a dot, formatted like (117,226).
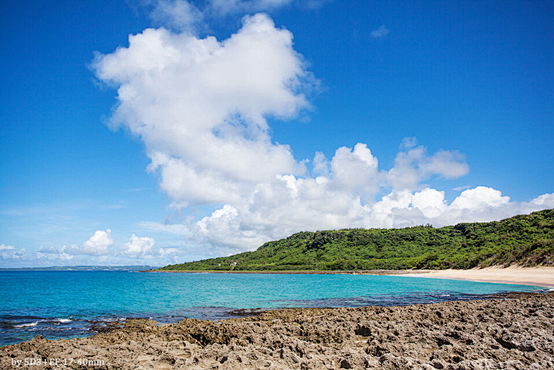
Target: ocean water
(69,304)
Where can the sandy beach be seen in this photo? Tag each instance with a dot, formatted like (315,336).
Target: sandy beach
(540,276)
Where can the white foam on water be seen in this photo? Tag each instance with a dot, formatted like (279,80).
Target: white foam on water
(27,325)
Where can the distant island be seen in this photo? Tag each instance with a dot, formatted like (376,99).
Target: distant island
(82,268)
(524,240)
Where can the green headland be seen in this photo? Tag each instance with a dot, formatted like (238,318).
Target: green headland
(525,240)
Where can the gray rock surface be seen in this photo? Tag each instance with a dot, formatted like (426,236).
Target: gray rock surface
(516,332)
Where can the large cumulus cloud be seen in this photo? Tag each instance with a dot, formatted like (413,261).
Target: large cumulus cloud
(201,105)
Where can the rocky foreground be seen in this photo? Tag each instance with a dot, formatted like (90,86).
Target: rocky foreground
(516,332)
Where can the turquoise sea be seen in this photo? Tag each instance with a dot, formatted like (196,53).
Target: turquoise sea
(68,304)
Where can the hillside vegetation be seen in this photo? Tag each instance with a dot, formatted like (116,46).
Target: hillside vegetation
(526,240)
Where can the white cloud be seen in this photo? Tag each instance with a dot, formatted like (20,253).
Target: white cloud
(408,143)
(48,250)
(53,254)
(201,106)
(138,246)
(415,165)
(172,254)
(97,250)
(9,252)
(96,245)
(140,249)
(430,202)
(544,201)
(291,205)
(480,204)
(341,196)
(355,170)
(379,32)
(479,198)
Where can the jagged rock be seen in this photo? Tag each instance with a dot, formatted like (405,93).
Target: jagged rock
(514,333)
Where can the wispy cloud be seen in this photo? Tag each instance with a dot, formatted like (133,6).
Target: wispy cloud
(177,14)
(196,17)
(176,229)
(461,188)
(379,32)
(225,7)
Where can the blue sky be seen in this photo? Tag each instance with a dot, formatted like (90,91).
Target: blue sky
(230,123)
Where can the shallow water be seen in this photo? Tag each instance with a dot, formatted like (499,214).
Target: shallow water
(68,304)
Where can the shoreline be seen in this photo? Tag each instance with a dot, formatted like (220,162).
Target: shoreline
(298,272)
(537,276)
(534,276)
(514,332)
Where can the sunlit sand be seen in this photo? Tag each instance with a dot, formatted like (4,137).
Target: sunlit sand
(541,276)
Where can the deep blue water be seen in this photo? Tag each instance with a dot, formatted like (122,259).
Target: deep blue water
(67,304)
